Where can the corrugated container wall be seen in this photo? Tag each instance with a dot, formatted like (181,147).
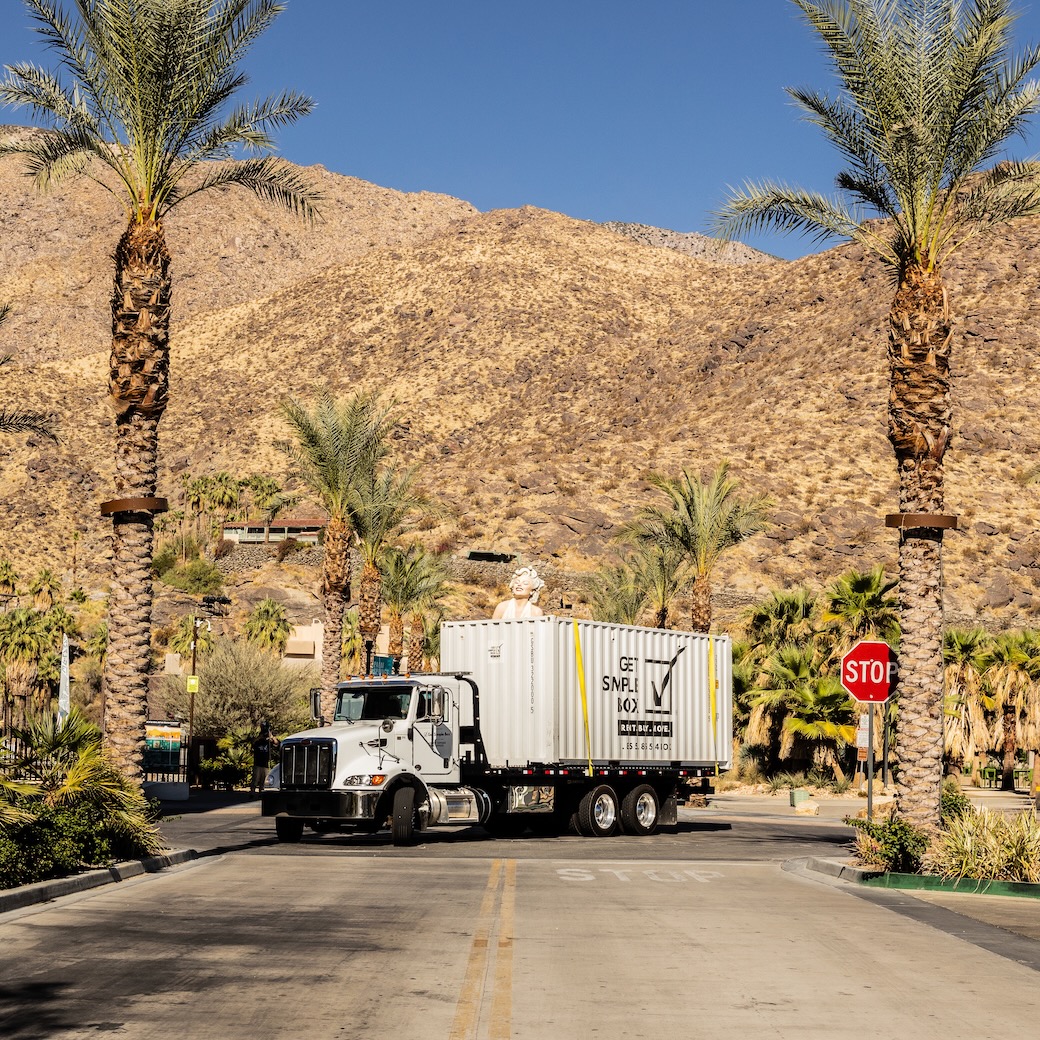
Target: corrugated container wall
(646,691)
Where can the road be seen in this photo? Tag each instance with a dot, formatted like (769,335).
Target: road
(714,931)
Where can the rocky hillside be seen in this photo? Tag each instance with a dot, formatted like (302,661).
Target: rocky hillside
(543,366)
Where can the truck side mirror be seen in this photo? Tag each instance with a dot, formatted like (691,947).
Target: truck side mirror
(438,694)
(315,703)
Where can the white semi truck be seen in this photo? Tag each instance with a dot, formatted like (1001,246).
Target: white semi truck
(542,723)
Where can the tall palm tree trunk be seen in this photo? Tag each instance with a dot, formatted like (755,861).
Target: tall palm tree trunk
(335,591)
(919,430)
(370,607)
(700,605)
(139,385)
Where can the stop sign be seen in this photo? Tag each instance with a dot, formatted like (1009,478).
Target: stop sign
(868,671)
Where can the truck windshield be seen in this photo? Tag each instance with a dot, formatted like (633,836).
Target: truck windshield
(373,702)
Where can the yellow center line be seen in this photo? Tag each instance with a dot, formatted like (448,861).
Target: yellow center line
(467,1011)
(502,999)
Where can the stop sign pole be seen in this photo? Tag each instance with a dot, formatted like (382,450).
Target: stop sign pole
(868,673)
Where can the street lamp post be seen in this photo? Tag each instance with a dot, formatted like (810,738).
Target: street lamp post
(215,607)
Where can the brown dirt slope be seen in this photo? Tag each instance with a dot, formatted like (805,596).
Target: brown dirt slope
(544,366)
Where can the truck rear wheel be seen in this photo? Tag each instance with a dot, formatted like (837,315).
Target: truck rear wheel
(598,812)
(403,826)
(640,811)
(288,829)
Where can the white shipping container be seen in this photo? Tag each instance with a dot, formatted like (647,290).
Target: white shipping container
(647,692)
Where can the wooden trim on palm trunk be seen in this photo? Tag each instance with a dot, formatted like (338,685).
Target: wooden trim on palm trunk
(134,505)
(932,520)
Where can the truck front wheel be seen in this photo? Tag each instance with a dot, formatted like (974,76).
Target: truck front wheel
(288,829)
(403,826)
(598,812)
(640,811)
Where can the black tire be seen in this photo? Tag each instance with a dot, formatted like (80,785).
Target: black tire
(640,811)
(403,825)
(288,829)
(598,812)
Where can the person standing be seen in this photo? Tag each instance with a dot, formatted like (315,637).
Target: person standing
(261,760)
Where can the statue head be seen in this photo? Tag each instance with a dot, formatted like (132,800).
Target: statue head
(525,581)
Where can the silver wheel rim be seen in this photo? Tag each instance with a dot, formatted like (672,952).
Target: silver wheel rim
(646,810)
(604,811)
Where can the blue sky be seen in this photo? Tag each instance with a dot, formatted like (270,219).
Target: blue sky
(600,109)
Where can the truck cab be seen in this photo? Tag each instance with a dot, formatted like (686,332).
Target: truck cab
(391,740)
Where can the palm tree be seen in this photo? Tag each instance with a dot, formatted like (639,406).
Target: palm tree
(783,617)
(1005,665)
(662,573)
(822,715)
(859,604)
(222,498)
(23,643)
(8,578)
(336,447)
(139,107)
(965,730)
(24,420)
(268,626)
(929,94)
(45,589)
(614,594)
(705,519)
(186,631)
(380,508)
(413,580)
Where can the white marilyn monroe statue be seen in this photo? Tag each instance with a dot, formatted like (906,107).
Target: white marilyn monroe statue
(525,586)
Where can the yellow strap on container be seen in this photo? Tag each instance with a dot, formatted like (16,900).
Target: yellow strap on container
(581,686)
(713,701)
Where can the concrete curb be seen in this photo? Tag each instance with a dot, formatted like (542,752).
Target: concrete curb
(44,891)
(837,869)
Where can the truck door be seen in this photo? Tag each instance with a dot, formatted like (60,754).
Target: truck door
(435,734)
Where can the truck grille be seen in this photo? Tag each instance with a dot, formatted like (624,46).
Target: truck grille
(308,764)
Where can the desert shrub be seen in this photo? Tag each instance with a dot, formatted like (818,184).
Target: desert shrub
(164,561)
(241,686)
(891,845)
(988,846)
(91,816)
(954,803)
(232,766)
(225,547)
(286,547)
(197,578)
(785,781)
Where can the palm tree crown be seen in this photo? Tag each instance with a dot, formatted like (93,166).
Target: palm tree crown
(929,95)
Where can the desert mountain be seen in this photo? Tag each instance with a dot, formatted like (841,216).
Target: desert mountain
(543,366)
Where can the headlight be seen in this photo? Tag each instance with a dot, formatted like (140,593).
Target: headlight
(374,780)
(274,779)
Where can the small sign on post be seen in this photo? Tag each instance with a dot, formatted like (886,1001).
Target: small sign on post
(868,673)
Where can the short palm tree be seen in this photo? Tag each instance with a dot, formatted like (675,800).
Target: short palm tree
(268,626)
(662,572)
(821,715)
(1005,666)
(140,107)
(335,449)
(24,641)
(705,518)
(14,420)
(413,580)
(45,589)
(859,605)
(782,617)
(8,578)
(929,92)
(615,595)
(381,507)
(965,706)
